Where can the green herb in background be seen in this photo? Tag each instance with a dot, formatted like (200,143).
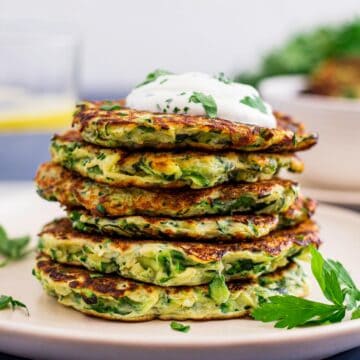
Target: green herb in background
(223,78)
(180,327)
(7,302)
(153,76)
(302,53)
(337,286)
(12,248)
(207,101)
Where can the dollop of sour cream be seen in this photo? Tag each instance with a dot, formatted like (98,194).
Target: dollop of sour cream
(196,93)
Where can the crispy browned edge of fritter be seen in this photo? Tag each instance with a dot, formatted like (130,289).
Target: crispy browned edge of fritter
(74,135)
(273,244)
(257,219)
(244,218)
(241,134)
(107,285)
(302,202)
(66,182)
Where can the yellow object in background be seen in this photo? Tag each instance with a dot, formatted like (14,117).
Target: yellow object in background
(24,111)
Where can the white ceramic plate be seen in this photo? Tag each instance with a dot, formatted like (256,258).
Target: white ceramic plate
(55,332)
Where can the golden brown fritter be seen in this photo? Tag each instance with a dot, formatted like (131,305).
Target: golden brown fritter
(175,263)
(133,129)
(231,228)
(192,169)
(115,298)
(265,197)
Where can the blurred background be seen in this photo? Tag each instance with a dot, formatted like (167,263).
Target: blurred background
(121,41)
(54,53)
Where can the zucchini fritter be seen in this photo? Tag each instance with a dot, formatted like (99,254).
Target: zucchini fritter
(216,228)
(265,197)
(115,298)
(133,129)
(166,169)
(175,263)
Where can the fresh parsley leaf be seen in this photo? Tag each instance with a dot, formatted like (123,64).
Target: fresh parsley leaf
(317,265)
(218,290)
(180,327)
(110,107)
(333,291)
(334,281)
(12,249)
(207,101)
(337,286)
(356,314)
(254,102)
(9,302)
(223,78)
(326,278)
(290,311)
(343,275)
(153,76)
(349,286)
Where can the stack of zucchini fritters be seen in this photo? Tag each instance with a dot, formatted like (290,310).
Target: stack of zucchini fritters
(173,216)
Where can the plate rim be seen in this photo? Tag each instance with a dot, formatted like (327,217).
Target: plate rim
(294,335)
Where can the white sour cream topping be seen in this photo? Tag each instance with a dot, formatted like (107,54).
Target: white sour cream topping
(171,94)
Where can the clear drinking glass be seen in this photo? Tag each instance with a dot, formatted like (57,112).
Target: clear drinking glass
(38,75)
(39,67)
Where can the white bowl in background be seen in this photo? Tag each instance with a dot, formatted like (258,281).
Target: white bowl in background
(334,163)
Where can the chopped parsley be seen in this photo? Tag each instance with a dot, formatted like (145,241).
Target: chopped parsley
(180,327)
(207,101)
(110,107)
(12,249)
(100,208)
(254,102)
(7,302)
(337,286)
(154,76)
(223,78)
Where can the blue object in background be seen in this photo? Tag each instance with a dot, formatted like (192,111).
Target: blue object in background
(22,153)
